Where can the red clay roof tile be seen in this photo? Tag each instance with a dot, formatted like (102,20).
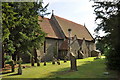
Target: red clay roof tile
(47,28)
(77,29)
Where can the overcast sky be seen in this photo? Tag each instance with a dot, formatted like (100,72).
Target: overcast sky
(78,11)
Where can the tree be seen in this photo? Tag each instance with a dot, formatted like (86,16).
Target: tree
(7,17)
(21,31)
(100,45)
(109,15)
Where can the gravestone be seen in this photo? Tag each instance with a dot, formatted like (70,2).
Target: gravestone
(19,67)
(53,61)
(38,64)
(44,63)
(65,59)
(58,61)
(73,62)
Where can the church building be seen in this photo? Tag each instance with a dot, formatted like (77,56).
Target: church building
(56,42)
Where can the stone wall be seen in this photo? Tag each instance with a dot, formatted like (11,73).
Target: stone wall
(91,47)
(85,48)
(52,46)
(75,48)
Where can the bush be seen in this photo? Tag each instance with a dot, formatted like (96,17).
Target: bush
(113,60)
(7,57)
(9,62)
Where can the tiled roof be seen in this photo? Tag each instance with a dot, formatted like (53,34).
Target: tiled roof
(47,28)
(77,29)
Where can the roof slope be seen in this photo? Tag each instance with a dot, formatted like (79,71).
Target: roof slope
(47,28)
(77,29)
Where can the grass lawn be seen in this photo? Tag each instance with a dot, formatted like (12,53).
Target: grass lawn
(87,68)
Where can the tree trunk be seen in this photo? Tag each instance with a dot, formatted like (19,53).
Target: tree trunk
(35,55)
(118,75)
(32,61)
(14,57)
(3,60)
(12,64)
(13,67)
(18,56)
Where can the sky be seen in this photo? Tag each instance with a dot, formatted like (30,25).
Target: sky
(78,11)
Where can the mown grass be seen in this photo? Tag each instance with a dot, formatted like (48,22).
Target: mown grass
(87,68)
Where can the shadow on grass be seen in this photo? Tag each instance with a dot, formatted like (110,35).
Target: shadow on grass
(6,72)
(91,69)
(13,74)
(87,69)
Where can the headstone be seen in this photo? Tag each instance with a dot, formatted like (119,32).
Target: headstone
(65,59)
(73,62)
(53,61)
(24,66)
(19,67)
(58,62)
(44,63)
(106,73)
(38,64)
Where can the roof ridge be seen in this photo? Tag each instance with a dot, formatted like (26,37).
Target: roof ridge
(68,20)
(89,32)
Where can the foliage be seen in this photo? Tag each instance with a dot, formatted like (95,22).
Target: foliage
(9,62)
(109,15)
(7,57)
(100,46)
(7,18)
(43,11)
(21,31)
